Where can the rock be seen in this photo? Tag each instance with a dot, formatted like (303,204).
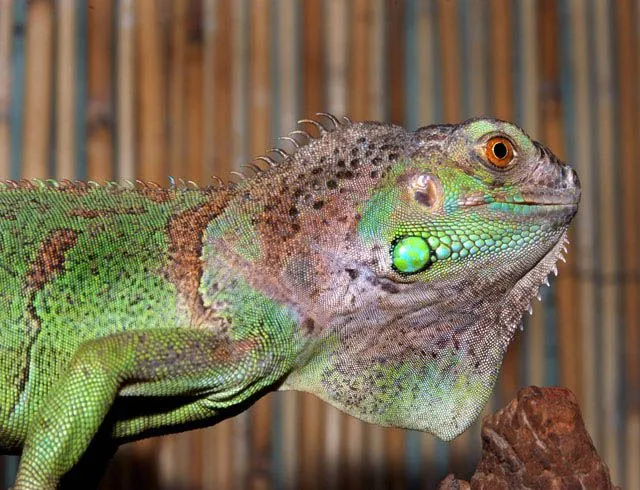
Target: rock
(537,441)
(452,483)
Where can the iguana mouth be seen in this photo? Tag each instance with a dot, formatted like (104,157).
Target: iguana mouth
(566,199)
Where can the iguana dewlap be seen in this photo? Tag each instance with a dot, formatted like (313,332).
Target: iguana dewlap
(383,270)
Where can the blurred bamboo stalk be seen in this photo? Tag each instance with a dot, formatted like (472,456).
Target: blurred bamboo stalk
(126,89)
(210,25)
(38,82)
(151,92)
(100,108)
(177,94)
(6,21)
(394,53)
(450,59)
(583,248)
(479,66)
(224,88)
(65,84)
(628,67)
(194,86)
(609,246)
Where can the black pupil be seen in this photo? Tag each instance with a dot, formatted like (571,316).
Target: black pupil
(500,150)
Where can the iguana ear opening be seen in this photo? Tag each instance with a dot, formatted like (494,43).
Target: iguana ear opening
(427,190)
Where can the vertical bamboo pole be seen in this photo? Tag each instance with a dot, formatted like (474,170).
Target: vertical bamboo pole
(337,49)
(629,122)
(224,83)
(65,84)
(261,475)
(6,16)
(194,85)
(395,56)
(288,79)
(177,87)
(337,54)
(479,50)
(126,89)
(210,26)
(450,56)
(584,247)
(151,92)
(38,100)
(312,413)
(500,59)
(609,246)
(100,80)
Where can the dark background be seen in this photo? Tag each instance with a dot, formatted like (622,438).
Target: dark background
(114,89)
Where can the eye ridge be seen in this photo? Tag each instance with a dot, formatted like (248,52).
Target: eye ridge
(499,152)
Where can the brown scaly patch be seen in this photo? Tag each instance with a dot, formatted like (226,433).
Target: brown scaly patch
(95,213)
(153,191)
(76,187)
(50,258)
(48,262)
(185,231)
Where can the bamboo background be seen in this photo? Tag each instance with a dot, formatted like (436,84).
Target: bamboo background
(116,89)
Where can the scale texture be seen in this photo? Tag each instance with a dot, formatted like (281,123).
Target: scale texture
(383,270)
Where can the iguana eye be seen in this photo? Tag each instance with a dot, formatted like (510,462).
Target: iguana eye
(499,151)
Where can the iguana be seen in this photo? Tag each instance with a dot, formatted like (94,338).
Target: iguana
(383,270)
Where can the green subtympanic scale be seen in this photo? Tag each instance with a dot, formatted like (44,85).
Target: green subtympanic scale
(411,254)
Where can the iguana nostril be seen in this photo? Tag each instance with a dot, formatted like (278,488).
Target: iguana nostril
(570,177)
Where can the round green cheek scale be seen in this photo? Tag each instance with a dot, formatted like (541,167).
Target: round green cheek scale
(411,254)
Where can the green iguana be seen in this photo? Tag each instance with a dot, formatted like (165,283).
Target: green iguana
(383,270)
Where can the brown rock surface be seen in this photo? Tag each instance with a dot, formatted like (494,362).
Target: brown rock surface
(537,441)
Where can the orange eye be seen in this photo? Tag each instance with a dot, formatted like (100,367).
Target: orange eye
(499,151)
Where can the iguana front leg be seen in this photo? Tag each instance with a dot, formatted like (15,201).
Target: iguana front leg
(159,362)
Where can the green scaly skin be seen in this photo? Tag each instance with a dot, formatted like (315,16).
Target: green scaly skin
(130,311)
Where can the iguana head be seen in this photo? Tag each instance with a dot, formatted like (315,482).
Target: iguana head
(410,259)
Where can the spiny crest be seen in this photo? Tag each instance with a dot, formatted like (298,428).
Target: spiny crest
(299,138)
(87,185)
